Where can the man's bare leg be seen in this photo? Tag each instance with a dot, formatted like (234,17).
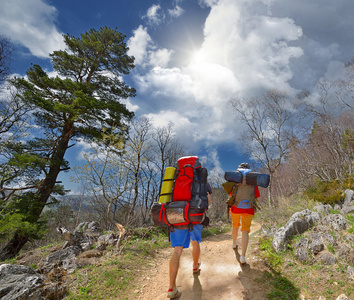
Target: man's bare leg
(244,243)
(234,235)
(195,254)
(174,265)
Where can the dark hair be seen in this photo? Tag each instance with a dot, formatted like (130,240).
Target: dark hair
(244,166)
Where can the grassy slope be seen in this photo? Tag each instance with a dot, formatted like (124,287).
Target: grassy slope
(114,275)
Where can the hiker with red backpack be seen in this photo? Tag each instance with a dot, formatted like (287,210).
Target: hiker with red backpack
(181,239)
(190,185)
(242,210)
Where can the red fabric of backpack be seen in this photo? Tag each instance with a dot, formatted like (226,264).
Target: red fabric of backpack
(186,207)
(184,180)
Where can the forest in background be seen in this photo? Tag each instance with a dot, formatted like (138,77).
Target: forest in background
(305,142)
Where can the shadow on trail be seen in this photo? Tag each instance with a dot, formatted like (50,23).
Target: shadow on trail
(272,285)
(197,288)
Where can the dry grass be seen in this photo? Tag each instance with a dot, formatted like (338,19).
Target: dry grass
(279,214)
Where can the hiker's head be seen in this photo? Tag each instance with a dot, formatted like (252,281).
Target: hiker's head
(244,166)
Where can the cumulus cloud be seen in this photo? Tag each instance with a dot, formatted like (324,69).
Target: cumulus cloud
(242,54)
(138,44)
(32,24)
(254,47)
(145,51)
(160,57)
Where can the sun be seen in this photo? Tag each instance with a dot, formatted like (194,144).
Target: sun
(198,57)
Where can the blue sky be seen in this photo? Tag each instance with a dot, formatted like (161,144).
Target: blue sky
(193,56)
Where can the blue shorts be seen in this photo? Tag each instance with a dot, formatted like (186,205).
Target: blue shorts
(182,237)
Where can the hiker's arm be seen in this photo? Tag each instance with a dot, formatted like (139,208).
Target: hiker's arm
(209,198)
(257,194)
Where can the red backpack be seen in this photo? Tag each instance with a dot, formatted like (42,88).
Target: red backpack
(183,187)
(189,200)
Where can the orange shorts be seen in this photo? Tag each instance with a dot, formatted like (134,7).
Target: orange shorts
(244,219)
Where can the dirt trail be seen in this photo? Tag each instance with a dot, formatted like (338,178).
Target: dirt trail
(221,276)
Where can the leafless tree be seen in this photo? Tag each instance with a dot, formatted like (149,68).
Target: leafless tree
(167,149)
(328,158)
(270,128)
(137,148)
(105,178)
(345,91)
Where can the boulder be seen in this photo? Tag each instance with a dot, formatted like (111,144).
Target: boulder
(297,224)
(347,209)
(347,254)
(316,247)
(336,222)
(301,250)
(280,239)
(309,216)
(22,282)
(327,258)
(64,258)
(323,209)
(349,197)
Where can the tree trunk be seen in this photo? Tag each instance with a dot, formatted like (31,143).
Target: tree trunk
(13,247)
(17,242)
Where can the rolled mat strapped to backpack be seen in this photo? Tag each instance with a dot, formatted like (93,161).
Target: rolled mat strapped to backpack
(167,185)
(252,178)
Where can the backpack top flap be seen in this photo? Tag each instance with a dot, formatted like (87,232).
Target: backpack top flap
(189,160)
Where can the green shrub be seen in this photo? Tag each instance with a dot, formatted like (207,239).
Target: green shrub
(326,192)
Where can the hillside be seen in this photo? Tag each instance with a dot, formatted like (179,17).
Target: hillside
(316,264)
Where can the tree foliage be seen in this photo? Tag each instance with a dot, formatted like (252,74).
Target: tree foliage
(83,99)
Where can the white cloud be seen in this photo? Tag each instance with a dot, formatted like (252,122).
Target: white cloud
(31,23)
(254,47)
(176,12)
(160,58)
(154,15)
(212,162)
(163,118)
(85,148)
(242,53)
(145,51)
(130,106)
(138,45)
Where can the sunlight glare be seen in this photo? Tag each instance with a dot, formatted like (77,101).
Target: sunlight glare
(198,57)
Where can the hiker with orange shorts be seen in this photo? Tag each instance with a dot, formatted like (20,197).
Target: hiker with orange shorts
(243,213)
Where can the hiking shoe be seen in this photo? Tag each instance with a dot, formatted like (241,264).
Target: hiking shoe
(242,260)
(197,269)
(234,246)
(174,293)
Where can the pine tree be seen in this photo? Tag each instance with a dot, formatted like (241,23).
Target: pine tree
(81,101)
